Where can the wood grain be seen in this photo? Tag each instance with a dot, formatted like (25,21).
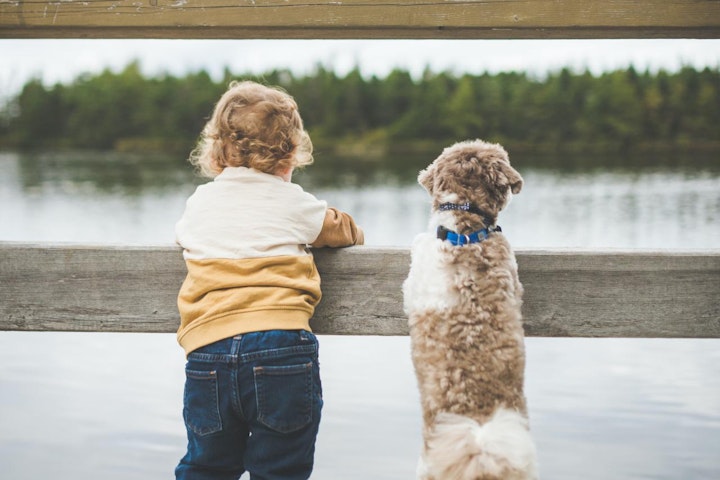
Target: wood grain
(359,19)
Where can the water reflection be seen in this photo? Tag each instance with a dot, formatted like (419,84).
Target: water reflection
(135,174)
(99,172)
(134,199)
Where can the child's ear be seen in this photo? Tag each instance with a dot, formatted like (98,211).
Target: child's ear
(426,178)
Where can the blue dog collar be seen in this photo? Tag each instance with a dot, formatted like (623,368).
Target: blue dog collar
(460,240)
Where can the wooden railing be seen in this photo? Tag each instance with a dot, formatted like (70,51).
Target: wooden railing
(359,19)
(567,294)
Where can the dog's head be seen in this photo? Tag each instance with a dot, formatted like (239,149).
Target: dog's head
(474,172)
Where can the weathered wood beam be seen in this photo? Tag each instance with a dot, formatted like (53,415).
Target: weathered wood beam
(567,294)
(359,19)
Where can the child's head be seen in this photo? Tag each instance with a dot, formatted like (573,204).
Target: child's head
(253,126)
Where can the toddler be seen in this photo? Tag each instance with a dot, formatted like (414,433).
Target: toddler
(253,395)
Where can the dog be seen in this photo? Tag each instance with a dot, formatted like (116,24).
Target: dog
(463,298)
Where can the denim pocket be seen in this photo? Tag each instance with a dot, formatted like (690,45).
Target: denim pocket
(284,396)
(201,411)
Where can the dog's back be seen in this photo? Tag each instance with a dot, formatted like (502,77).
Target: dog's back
(463,304)
(467,346)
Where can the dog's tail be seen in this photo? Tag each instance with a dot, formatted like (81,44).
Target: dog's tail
(460,448)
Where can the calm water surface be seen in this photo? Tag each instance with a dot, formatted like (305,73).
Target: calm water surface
(89,406)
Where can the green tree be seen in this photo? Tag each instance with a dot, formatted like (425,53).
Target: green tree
(40,122)
(620,109)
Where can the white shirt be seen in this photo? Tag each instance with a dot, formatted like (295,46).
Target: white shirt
(244,213)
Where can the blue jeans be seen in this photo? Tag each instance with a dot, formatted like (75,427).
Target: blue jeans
(252,403)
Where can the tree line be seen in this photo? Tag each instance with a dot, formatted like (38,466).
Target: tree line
(563,111)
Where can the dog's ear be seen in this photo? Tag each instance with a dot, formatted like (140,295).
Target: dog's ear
(426,178)
(507,176)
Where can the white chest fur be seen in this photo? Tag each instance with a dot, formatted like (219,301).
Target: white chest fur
(427,286)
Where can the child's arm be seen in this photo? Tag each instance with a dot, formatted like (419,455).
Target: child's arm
(339,230)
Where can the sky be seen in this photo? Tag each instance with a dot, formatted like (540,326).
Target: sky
(62,61)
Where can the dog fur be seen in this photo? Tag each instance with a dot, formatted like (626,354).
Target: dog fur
(463,305)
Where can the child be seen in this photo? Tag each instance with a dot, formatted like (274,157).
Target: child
(253,396)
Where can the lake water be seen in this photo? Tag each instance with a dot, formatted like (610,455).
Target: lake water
(108,406)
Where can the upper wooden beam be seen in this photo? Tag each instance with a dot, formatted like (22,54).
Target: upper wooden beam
(361,19)
(567,294)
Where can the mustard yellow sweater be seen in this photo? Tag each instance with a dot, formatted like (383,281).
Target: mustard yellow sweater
(245,237)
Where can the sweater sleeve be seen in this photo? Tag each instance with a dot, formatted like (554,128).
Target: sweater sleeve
(339,230)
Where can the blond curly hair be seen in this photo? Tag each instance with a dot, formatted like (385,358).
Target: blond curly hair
(253,126)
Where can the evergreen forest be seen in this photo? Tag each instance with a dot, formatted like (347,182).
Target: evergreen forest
(351,115)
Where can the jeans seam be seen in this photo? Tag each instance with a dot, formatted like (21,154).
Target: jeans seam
(278,353)
(236,400)
(212,357)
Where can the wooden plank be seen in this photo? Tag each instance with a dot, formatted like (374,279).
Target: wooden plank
(359,19)
(567,294)
(631,294)
(76,288)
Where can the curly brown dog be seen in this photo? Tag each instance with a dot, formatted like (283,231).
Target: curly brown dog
(463,299)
